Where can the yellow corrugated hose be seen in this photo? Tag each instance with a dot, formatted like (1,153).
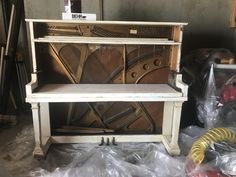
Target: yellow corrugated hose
(214,135)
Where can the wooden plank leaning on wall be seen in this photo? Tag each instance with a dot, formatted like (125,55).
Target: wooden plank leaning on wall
(232,20)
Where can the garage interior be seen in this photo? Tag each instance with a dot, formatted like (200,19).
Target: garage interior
(144,89)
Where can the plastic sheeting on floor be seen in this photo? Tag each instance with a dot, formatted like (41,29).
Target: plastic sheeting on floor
(124,160)
(80,160)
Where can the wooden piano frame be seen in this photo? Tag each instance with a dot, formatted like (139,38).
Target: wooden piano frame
(172,94)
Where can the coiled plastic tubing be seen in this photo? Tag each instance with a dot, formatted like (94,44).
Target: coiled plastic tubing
(197,152)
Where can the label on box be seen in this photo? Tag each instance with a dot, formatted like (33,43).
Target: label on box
(78,16)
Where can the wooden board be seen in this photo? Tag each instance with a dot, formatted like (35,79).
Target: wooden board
(105,92)
(107,22)
(100,40)
(232,20)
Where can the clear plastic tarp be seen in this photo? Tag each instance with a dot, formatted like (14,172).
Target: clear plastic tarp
(123,160)
(80,160)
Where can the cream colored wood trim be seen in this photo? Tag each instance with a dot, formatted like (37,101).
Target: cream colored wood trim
(106,40)
(107,22)
(167,123)
(171,149)
(176,123)
(33,51)
(97,138)
(180,84)
(41,151)
(32,85)
(45,122)
(36,124)
(105,92)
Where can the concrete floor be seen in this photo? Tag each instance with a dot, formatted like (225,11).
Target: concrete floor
(8,133)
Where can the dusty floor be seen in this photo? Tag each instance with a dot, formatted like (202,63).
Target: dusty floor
(8,133)
(8,141)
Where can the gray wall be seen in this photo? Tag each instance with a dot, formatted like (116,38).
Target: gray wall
(43,9)
(208,19)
